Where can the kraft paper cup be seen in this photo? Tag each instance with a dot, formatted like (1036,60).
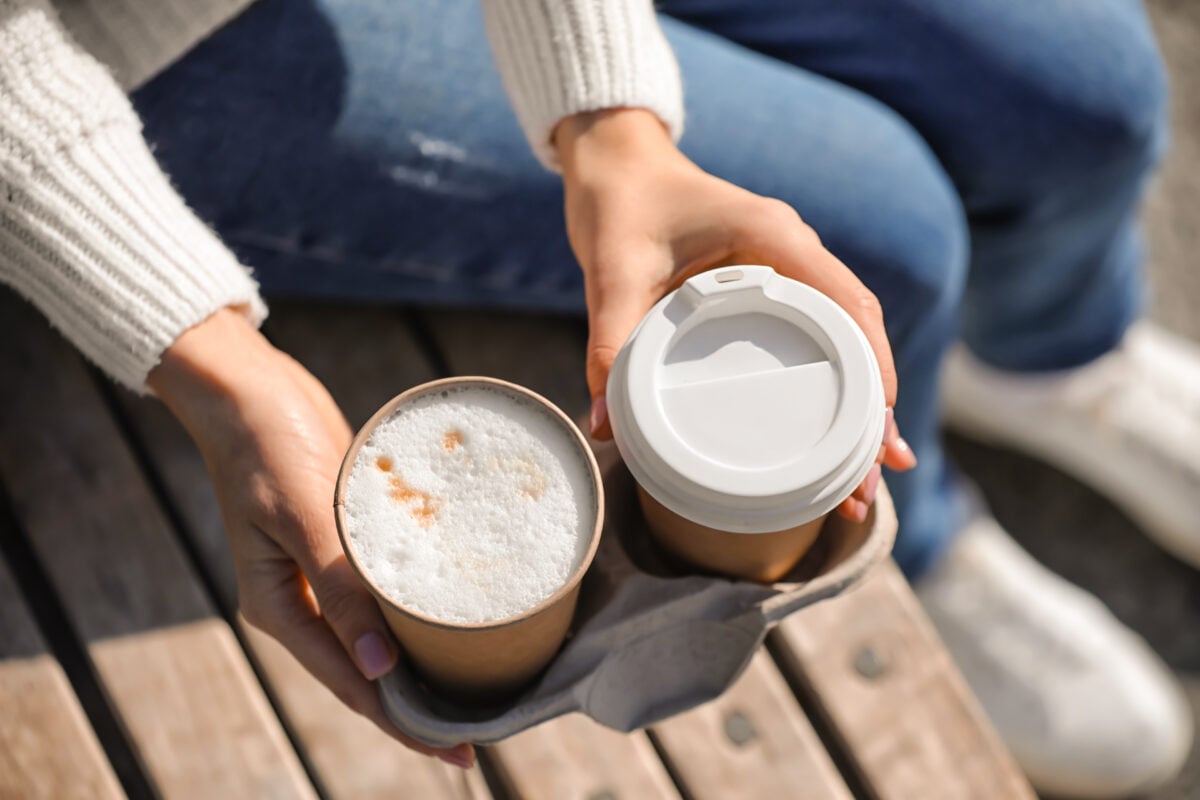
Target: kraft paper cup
(765,559)
(485,662)
(747,406)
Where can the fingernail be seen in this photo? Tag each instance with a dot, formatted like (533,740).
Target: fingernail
(906,453)
(599,414)
(860,511)
(872,484)
(889,426)
(374,656)
(459,757)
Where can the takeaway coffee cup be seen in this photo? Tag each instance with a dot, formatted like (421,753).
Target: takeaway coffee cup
(471,508)
(747,406)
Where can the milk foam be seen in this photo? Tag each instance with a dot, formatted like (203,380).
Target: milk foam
(470,505)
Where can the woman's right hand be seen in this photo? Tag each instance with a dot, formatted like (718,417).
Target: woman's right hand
(273,440)
(642,218)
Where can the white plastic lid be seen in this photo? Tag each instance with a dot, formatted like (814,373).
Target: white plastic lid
(747,402)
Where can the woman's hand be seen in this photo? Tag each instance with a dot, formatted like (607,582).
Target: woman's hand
(642,218)
(273,440)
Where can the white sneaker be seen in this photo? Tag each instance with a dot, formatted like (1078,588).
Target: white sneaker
(1084,705)
(1127,424)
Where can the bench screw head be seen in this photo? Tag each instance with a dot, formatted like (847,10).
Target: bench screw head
(739,729)
(870,663)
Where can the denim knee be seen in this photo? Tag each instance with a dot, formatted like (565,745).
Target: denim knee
(1120,122)
(894,218)
(912,250)
(1084,107)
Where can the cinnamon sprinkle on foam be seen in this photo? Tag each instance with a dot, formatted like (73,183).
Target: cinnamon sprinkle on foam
(422,505)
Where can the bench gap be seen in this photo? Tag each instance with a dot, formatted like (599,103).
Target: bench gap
(672,771)
(56,629)
(426,341)
(843,760)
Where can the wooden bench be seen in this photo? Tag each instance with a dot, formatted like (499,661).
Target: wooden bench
(125,669)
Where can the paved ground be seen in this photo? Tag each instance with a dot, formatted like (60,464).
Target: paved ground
(1173,212)
(1073,530)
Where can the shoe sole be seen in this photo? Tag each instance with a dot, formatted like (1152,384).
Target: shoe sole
(1056,447)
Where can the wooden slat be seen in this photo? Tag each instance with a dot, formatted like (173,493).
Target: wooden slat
(364,356)
(751,742)
(171,668)
(350,756)
(47,748)
(878,672)
(574,757)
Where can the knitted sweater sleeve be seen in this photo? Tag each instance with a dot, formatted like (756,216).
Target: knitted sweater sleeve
(91,230)
(562,57)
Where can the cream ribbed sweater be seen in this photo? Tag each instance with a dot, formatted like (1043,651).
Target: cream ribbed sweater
(91,230)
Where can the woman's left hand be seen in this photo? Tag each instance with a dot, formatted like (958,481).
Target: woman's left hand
(273,441)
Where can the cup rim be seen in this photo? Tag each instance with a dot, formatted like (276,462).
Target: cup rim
(420,390)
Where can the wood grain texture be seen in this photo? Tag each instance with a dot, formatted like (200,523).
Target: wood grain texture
(198,716)
(751,742)
(541,352)
(350,757)
(170,667)
(47,748)
(574,757)
(899,706)
(364,356)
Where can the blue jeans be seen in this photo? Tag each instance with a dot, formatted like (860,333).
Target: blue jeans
(976,162)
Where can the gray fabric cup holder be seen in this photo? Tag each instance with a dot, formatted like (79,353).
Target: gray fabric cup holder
(650,637)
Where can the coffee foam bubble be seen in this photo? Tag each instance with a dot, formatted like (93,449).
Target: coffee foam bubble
(471,504)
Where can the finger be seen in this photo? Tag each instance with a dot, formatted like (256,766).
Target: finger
(617,301)
(852,509)
(897,454)
(353,615)
(779,238)
(889,433)
(598,422)
(288,615)
(866,490)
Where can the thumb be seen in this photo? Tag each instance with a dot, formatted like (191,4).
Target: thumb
(351,611)
(347,606)
(616,304)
